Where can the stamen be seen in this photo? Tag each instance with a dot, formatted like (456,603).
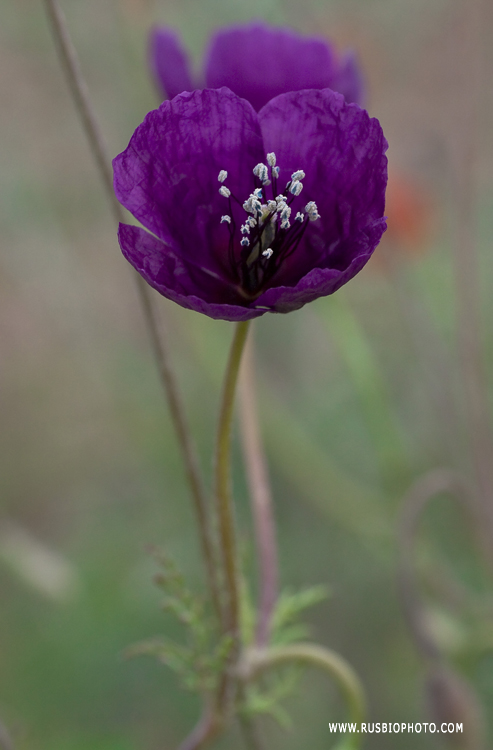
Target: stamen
(267,229)
(312,211)
(296,187)
(285,214)
(261,172)
(253,205)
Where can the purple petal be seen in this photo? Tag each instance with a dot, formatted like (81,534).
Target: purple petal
(169,62)
(319,282)
(168,175)
(342,151)
(179,281)
(259,62)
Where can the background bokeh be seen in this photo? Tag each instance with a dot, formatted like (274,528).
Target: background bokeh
(360,394)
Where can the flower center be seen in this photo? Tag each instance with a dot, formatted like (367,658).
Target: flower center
(268,236)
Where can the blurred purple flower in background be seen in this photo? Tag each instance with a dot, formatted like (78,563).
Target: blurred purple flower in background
(251,213)
(257,62)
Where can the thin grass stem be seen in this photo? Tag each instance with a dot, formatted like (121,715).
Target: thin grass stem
(80,94)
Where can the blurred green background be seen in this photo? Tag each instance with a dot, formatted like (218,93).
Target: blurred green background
(359,394)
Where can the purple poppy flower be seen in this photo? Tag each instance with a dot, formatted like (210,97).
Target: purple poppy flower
(251,213)
(257,62)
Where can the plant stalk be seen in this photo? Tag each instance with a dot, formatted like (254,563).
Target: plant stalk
(261,497)
(80,94)
(257,661)
(223,484)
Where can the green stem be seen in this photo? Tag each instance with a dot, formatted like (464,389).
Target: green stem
(257,661)
(260,497)
(223,483)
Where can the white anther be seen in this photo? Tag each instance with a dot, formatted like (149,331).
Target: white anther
(261,172)
(271,160)
(299,175)
(226,219)
(258,193)
(296,187)
(253,205)
(222,175)
(312,211)
(285,224)
(271,206)
(268,253)
(280,199)
(224,191)
(275,172)
(251,221)
(245,229)
(245,242)
(299,216)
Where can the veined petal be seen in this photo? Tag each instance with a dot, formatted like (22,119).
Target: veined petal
(259,62)
(190,165)
(169,62)
(168,175)
(319,282)
(184,283)
(342,151)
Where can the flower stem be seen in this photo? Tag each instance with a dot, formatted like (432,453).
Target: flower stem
(256,661)
(223,483)
(261,497)
(80,95)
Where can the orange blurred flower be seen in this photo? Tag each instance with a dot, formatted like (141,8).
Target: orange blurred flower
(410,212)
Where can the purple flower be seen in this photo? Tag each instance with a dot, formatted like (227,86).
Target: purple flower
(257,62)
(251,213)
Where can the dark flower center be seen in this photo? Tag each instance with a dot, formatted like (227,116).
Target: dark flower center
(268,236)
